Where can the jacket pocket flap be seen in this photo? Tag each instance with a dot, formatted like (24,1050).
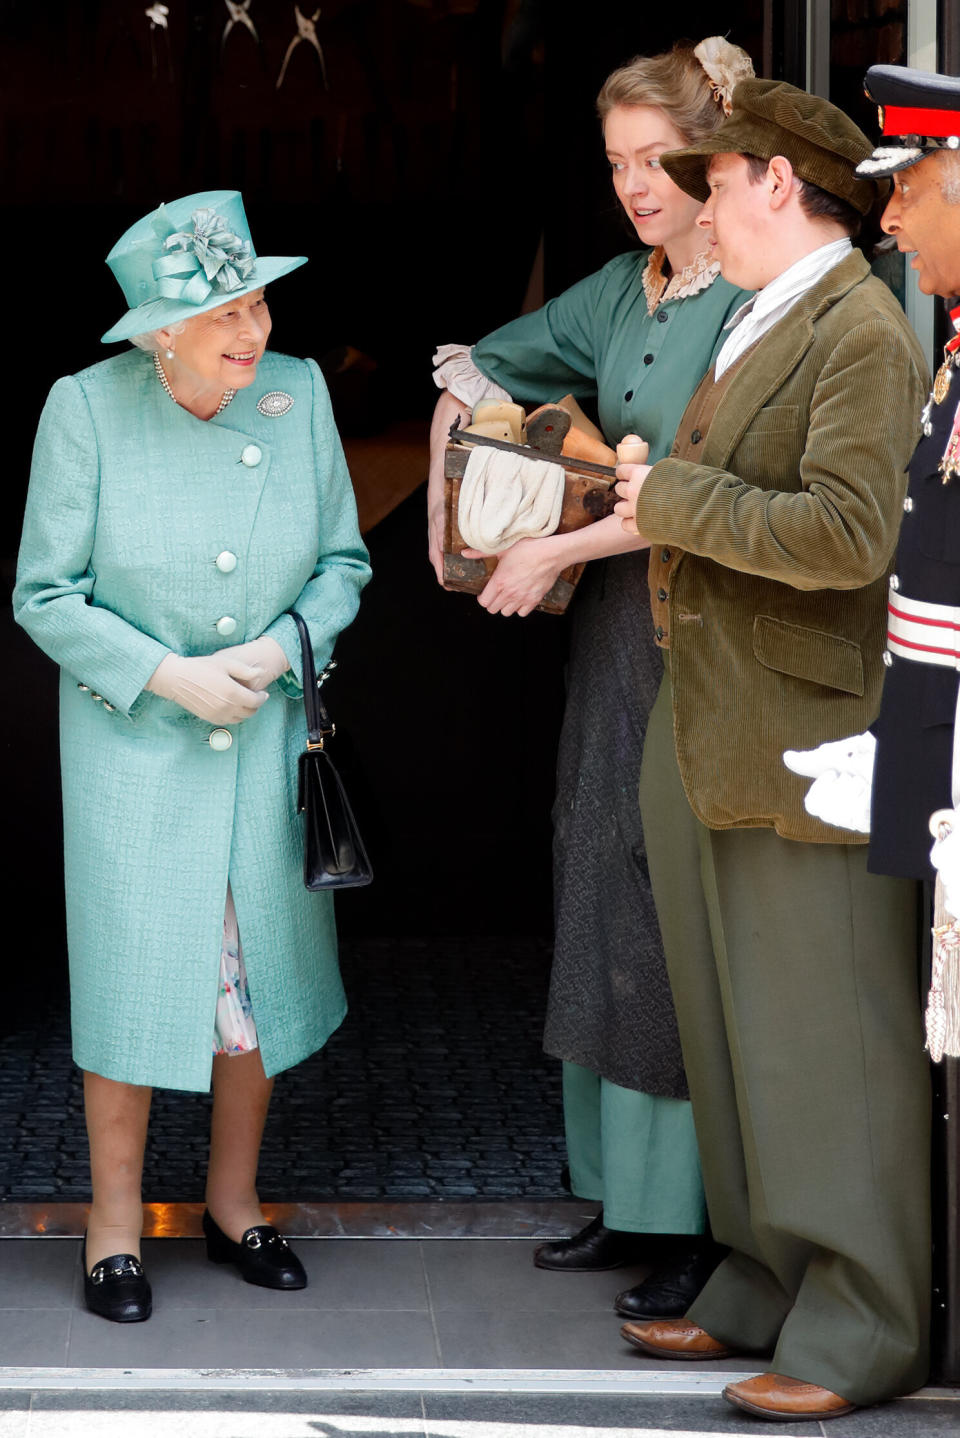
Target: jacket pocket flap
(808,654)
(774,419)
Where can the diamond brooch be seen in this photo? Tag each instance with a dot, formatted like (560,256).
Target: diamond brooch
(275,404)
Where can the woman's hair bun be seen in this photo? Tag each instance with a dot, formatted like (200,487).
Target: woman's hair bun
(725,65)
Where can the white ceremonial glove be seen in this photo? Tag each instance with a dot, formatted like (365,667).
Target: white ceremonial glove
(209,687)
(945,857)
(264,656)
(842,774)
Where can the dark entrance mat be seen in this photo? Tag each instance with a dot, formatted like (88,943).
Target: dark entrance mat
(435,1087)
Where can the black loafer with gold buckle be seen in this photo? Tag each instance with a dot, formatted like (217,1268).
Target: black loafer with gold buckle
(117,1288)
(263,1255)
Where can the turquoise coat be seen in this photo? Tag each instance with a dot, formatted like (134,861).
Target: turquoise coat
(135,512)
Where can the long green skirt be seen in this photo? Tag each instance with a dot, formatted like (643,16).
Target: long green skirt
(635,1154)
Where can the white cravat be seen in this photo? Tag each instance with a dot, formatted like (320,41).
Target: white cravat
(772,302)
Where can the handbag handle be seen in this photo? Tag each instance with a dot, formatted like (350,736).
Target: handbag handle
(319,724)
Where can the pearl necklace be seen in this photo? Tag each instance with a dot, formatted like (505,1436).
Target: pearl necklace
(228,394)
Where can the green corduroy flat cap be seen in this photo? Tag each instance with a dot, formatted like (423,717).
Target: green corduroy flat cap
(770,117)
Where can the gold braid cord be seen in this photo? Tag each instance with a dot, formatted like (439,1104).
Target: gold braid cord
(942,1016)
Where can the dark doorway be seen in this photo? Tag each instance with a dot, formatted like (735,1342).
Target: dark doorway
(419,165)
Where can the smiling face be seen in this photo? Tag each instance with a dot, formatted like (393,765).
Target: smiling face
(221,349)
(926,224)
(635,136)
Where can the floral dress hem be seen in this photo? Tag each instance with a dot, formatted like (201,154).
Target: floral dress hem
(234,1027)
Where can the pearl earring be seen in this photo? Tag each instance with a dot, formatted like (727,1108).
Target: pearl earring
(169,354)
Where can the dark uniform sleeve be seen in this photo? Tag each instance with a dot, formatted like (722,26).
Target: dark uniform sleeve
(914,730)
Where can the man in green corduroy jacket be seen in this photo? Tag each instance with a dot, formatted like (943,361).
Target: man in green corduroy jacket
(772,527)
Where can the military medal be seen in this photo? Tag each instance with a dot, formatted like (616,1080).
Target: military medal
(941,384)
(944,375)
(941,387)
(949,465)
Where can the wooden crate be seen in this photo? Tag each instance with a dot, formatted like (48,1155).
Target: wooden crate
(586,497)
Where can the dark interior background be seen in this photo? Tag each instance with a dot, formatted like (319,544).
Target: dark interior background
(451,138)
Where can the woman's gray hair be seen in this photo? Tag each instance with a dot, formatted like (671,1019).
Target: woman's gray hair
(150,341)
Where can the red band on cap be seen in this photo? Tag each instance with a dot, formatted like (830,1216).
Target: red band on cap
(904,120)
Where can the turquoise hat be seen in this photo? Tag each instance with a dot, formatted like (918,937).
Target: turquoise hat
(187,257)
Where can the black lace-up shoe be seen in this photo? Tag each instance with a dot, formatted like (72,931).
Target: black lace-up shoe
(263,1255)
(593,1249)
(669,1292)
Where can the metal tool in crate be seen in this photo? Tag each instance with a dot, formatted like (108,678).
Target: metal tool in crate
(588,495)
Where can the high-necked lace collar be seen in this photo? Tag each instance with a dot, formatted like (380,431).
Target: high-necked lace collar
(698,275)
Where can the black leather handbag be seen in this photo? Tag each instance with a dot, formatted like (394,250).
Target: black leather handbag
(334,855)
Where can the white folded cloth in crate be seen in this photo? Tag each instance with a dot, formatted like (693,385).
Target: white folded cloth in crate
(505,497)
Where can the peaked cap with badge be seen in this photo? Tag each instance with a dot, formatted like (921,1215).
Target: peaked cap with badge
(770,117)
(919,115)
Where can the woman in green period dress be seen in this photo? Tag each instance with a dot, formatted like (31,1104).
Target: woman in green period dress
(636,337)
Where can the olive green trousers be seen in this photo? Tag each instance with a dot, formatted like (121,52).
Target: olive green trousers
(794,974)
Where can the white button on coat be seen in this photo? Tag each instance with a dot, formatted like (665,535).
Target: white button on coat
(251,455)
(220,739)
(226,626)
(226,562)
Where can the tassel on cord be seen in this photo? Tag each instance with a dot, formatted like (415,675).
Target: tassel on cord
(942,1016)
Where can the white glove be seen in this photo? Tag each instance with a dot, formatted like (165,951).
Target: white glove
(945,857)
(264,655)
(210,687)
(842,774)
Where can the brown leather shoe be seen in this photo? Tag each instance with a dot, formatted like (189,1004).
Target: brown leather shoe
(674,1338)
(771,1396)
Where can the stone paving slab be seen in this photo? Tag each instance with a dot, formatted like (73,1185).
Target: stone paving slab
(406,1337)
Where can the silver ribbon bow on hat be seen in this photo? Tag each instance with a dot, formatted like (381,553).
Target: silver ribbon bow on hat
(210,257)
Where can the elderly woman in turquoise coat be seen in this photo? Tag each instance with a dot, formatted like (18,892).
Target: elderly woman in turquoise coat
(184,497)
